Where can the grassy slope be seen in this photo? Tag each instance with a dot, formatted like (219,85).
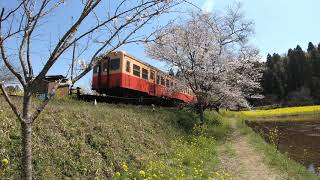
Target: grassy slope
(75,139)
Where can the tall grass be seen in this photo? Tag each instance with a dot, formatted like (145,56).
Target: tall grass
(73,139)
(193,156)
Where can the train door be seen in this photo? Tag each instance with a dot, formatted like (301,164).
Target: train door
(107,71)
(99,69)
(103,76)
(152,84)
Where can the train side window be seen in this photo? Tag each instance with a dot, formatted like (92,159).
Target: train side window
(128,67)
(104,67)
(162,81)
(136,70)
(114,64)
(171,85)
(145,74)
(151,75)
(158,79)
(167,82)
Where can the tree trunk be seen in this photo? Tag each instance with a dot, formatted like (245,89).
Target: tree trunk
(26,139)
(26,153)
(201,114)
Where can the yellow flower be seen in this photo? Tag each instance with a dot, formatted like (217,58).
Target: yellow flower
(142,173)
(125,167)
(118,174)
(5,162)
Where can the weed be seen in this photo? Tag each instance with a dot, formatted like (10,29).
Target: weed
(73,139)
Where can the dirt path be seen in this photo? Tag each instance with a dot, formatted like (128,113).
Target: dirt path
(239,158)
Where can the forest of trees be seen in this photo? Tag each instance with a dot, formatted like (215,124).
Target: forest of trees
(293,78)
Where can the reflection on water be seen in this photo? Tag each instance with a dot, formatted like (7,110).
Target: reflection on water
(300,140)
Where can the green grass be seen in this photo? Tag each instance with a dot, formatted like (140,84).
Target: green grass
(73,139)
(274,158)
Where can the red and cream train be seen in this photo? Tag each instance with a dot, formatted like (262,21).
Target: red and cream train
(122,75)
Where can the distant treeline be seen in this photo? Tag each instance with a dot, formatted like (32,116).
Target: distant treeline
(293,78)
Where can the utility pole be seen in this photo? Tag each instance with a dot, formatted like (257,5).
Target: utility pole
(72,65)
(73,59)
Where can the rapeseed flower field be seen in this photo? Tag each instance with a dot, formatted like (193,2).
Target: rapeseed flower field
(283,111)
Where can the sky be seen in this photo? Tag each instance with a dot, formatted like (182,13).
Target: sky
(279,25)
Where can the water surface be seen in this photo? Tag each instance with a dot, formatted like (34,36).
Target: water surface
(300,140)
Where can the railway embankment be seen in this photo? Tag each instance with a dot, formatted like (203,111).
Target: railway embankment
(79,140)
(74,139)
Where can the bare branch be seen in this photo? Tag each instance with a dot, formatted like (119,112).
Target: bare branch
(94,61)
(9,101)
(29,33)
(11,12)
(47,100)
(9,66)
(63,43)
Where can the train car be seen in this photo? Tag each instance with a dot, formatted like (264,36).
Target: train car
(122,75)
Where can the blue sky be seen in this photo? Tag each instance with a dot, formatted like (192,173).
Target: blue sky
(279,25)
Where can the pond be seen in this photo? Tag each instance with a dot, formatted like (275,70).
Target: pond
(300,140)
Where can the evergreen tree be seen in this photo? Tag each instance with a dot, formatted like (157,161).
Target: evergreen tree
(311,47)
(297,70)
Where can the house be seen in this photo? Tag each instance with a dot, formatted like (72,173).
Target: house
(46,86)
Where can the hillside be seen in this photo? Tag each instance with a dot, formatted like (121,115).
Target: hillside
(76,139)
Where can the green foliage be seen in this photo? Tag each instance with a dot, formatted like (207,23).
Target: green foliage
(192,157)
(73,139)
(293,78)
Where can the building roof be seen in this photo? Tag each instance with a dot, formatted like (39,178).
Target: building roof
(55,77)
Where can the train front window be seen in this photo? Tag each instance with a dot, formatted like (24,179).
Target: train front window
(145,74)
(95,69)
(136,70)
(104,67)
(114,64)
(128,67)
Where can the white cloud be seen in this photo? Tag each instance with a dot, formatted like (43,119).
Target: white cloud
(207,6)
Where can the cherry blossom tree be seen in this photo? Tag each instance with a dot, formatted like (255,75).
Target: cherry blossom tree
(97,26)
(212,54)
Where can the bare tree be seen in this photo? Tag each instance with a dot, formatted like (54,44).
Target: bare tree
(107,31)
(211,53)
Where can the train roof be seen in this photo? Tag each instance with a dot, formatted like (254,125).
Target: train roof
(143,62)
